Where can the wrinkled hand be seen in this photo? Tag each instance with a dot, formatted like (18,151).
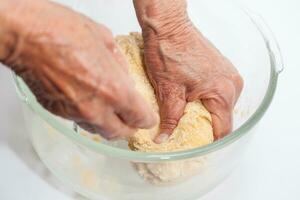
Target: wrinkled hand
(74,68)
(184,66)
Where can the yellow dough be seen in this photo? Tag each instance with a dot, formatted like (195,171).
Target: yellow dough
(194,128)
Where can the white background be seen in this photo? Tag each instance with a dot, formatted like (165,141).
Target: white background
(270,169)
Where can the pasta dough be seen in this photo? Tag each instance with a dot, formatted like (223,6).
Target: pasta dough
(194,128)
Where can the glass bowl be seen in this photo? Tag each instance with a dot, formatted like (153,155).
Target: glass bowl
(104,170)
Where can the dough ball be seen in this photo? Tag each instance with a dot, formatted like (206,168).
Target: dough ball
(194,128)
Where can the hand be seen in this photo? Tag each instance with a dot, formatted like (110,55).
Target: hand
(75,69)
(184,66)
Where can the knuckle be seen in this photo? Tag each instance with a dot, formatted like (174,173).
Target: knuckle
(225,93)
(112,92)
(168,123)
(134,119)
(133,116)
(111,45)
(238,82)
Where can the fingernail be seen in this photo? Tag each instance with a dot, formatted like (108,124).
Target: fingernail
(163,137)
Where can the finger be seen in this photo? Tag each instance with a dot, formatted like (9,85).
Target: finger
(127,102)
(115,128)
(135,112)
(221,117)
(89,127)
(171,105)
(222,125)
(110,128)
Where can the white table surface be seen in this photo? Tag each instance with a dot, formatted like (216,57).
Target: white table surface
(270,169)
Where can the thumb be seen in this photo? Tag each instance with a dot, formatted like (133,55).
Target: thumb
(171,106)
(221,117)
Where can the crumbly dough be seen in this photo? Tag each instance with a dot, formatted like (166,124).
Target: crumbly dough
(194,128)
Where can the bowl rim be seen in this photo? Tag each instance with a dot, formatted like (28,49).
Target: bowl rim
(27,97)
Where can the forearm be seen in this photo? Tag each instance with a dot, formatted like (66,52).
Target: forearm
(162,15)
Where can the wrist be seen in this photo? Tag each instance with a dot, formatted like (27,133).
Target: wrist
(8,34)
(7,43)
(17,20)
(164,18)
